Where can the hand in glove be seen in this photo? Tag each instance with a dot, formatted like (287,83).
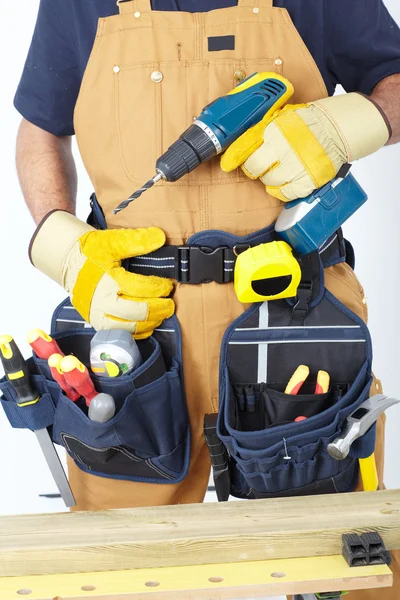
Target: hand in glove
(87,263)
(302,147)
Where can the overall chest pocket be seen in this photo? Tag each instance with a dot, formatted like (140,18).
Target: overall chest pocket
(154,102)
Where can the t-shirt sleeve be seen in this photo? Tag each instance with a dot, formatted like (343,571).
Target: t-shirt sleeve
(50,82)
(362,43)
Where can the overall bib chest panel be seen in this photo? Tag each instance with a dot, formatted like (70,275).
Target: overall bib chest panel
(149,76)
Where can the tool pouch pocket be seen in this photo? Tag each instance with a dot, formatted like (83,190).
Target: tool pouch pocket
(148,438)
(270,453)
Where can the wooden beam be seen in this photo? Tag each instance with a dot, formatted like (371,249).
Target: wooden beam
(202,582)
(194,534)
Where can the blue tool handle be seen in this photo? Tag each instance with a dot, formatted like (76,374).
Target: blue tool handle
(231,115)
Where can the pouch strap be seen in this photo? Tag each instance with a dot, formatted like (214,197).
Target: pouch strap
(309,288)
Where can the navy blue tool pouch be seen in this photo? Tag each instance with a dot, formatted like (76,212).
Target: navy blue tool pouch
(270,453)
(148,439)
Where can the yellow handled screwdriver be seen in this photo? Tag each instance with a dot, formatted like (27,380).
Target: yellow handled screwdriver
(17,373)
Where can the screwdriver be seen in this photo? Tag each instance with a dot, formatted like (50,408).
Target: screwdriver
(58,376)
(77,376)
(17,373)
(42,344)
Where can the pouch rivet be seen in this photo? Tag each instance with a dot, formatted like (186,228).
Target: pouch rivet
(137,14)
(156,76)
(116,69)
(279,62)
(256,10)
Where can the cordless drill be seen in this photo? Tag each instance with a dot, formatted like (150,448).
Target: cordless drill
(218,126)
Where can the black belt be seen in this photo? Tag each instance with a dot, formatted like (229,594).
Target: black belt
(203,264)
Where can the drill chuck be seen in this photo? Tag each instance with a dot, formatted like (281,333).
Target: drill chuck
(220,123)
(194,146)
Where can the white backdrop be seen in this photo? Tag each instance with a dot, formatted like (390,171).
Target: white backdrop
(27,298)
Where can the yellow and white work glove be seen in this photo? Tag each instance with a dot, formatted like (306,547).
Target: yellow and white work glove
(302,147)
(87,263)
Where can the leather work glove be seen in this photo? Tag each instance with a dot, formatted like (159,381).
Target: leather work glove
(87,263)
(302,147)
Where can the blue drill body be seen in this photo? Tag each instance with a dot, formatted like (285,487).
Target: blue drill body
(306,224)
(230,116)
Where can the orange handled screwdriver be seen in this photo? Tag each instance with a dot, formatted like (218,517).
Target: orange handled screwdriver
(42,344)
(58,375)
(77,376)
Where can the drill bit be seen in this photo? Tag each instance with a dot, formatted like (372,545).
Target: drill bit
(138,193)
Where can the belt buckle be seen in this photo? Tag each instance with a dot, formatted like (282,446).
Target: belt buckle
(202,264)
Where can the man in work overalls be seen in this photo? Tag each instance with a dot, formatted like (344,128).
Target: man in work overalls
(127,93)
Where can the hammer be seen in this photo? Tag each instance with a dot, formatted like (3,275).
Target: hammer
(358,423)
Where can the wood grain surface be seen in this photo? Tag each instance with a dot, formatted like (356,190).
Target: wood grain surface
(193,534)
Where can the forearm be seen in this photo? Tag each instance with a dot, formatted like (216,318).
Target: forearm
(387,95)
(46,171)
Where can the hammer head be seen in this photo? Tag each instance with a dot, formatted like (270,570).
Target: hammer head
(358,423)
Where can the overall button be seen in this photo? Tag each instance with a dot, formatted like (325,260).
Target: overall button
(157,76)
(240,75)
(136,14)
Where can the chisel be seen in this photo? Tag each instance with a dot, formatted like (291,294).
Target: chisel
(17,373)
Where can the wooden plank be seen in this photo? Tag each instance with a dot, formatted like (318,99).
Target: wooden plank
(202,582)
(193,534)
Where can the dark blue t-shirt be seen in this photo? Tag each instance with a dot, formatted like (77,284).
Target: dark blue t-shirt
(355,43)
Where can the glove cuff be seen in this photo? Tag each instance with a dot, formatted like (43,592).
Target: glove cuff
(361,125)
(53,240)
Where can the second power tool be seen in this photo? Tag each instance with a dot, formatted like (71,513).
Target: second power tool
(218,126)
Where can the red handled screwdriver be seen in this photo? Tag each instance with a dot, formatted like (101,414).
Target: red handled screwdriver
(101,406)
(42,344)
(77,376)
(59,377)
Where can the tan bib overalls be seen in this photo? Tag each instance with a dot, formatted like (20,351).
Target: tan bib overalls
(150,73)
